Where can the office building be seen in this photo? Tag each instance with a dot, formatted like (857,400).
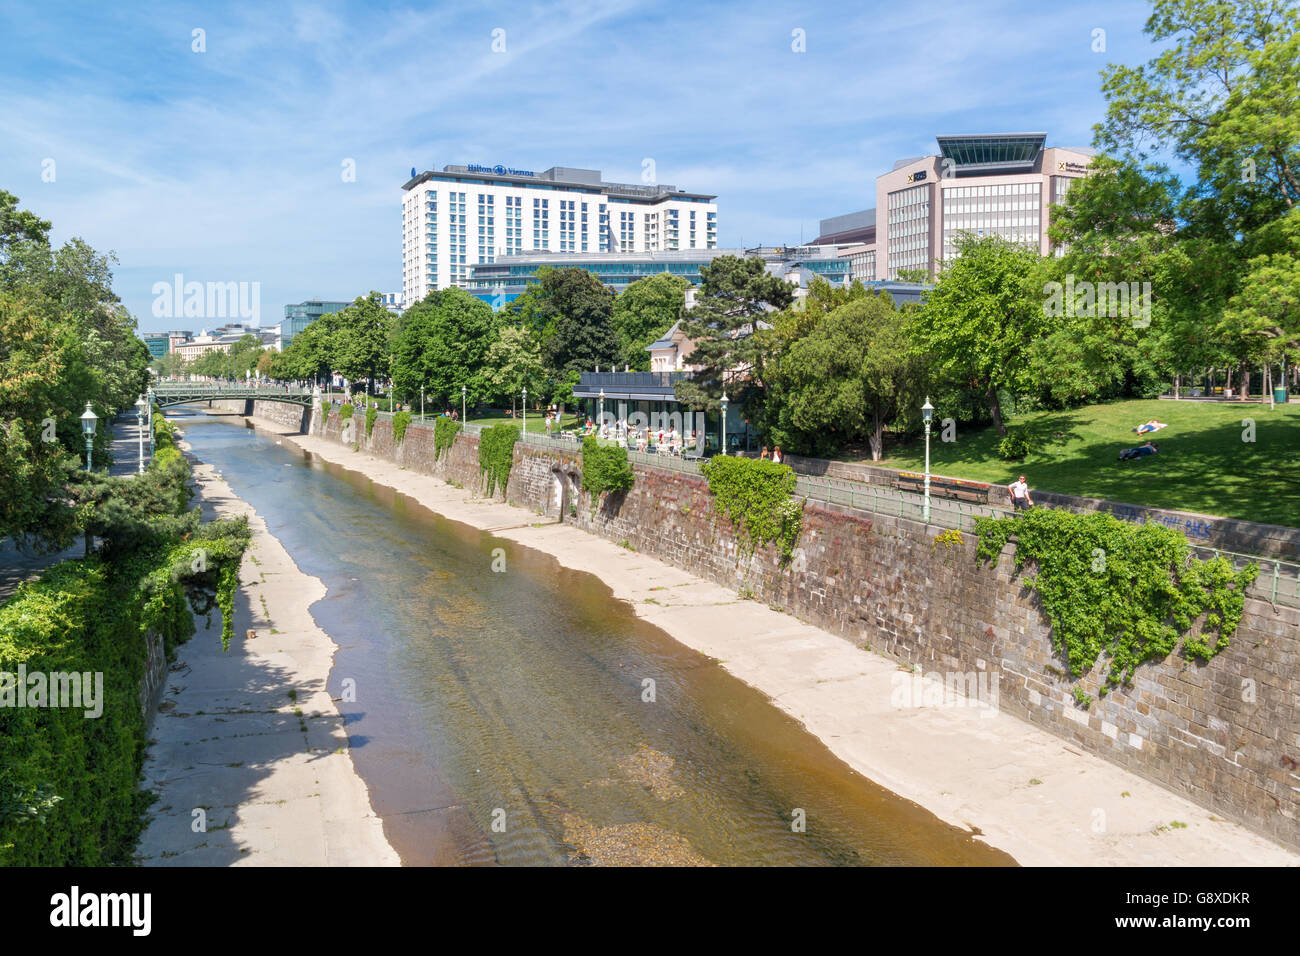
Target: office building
(498,283)
(300,315)
(469,215)
(225,337)
(987,184)
(159,343)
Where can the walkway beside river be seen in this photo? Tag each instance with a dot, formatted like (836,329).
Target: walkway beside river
(250,736)
(1023,790)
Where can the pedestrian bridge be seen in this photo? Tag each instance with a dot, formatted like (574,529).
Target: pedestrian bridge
(181,394)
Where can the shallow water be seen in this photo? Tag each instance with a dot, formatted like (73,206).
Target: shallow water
(500,718)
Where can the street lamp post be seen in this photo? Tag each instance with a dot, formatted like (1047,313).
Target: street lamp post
(462,406)
(524,410)
(600,415)
(927,413)
(724,423)
(149,397)
(421,403)
(139,421)
(88,420)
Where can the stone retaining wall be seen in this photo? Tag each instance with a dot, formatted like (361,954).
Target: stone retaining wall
(1228,534)
(1225,734)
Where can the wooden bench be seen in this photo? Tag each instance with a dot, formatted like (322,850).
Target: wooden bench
(976,492)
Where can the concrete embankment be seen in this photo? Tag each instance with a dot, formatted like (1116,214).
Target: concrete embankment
(1044,800)
(250,760)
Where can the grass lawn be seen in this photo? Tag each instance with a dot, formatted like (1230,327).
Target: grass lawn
(1203,464)
(536,420)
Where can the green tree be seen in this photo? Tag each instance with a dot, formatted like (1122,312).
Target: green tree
(645,310)
(1224,95)
(852,375)
(979,320)
(443,345)
(579,309)
(1261,323)
(360,338)
(735,296)
(513,363)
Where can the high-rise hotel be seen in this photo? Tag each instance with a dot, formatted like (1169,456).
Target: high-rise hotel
(466,215)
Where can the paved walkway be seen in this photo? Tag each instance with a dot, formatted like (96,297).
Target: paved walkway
(18,565)
(250,758)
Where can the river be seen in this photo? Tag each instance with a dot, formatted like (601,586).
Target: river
(505,717)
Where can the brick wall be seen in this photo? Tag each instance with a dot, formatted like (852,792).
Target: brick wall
(1226,734)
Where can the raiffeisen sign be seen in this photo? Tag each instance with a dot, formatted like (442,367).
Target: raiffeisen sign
(498,170)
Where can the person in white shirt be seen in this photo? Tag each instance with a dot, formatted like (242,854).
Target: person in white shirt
(1020,494)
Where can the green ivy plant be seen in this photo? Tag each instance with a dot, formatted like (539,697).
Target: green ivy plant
(345,412)
(400,421)
(604,468)
(758,497)
(496,449)
(371,415)
(1131,591)
(444,434)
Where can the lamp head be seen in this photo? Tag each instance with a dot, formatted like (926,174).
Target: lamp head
(88,419)
(927,410)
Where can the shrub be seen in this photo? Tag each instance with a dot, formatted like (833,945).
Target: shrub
(345,412)
(371,415)
(1014,447)
(604,468)
(496,449)
(400,421)
(758,496)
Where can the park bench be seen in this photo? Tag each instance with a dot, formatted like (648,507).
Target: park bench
(959,489)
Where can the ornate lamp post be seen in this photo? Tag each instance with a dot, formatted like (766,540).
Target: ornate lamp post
(149,397)
(524,410)
(927,413)
(724,423)
(421,403)
(88,420)
(600,415)
(462,406)
(139,421)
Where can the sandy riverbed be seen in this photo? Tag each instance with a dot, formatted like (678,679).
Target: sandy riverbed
(1021,789)
(250,737)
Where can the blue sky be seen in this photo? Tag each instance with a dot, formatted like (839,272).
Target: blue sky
(226,165)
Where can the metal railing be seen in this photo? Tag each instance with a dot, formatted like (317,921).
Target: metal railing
(1278,581)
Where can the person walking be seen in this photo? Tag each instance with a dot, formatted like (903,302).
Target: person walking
(1020,494)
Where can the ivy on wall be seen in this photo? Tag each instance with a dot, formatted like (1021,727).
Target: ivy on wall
(345,412)
(1129,591)
(496,449)
(371,415)
(68,782)
(444,433)
(758,496)
(400,421)
(604,468)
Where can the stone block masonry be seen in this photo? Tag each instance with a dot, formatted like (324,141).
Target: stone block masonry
(1224,734)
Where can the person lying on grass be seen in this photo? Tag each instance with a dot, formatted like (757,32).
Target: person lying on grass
(1151,426)
(1141,451)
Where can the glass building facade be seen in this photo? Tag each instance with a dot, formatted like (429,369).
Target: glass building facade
(298,317)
